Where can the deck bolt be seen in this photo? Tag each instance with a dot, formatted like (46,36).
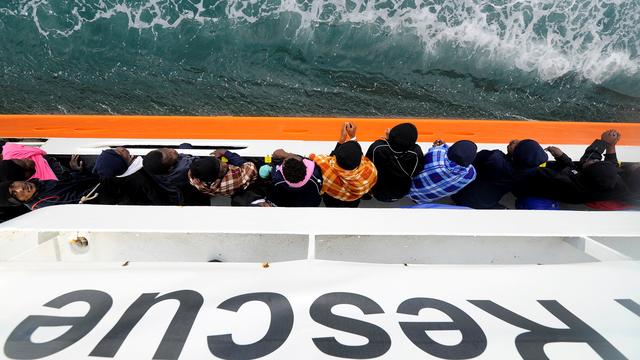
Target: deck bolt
(80,241)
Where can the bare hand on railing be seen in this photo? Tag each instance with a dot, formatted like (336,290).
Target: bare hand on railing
(611,137)
(554,151)
(219,153)
(351,129)
(280,154)
(343,133)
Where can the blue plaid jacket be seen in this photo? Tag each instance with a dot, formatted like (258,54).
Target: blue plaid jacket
(440,177)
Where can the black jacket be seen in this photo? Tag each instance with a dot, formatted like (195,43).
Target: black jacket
(58,192)
(595,150)
(566,182)
(307,195)
(495,176)
(138,188)
(395,169)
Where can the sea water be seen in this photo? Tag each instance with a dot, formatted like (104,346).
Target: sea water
(505,59)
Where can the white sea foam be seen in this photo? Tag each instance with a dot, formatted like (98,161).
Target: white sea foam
(597,39)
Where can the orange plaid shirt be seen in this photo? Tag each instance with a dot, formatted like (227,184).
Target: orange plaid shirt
(346,185)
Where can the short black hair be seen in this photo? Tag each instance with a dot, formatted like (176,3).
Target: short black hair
(152,163)
(205,169)
(294,170)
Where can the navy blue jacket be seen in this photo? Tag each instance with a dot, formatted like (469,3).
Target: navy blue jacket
(307,195)
(494,179)
(564,181)
(58,192)
(177,179)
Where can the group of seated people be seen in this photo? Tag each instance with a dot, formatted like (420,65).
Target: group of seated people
(394,167)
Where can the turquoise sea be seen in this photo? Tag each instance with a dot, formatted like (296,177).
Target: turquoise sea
(507,59)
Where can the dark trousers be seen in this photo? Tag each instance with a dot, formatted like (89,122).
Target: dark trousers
(333,202)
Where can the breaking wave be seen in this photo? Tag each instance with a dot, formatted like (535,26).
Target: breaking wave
(577,46)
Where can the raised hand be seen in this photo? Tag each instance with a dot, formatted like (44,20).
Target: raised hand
(76,164)
(610,136)
(554,151)
(351,129)
(219,153)
(280,154)
(438,142)
(343,133)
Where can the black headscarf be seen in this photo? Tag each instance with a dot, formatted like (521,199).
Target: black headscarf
(529,154)
(110,164)
(349,155)
(402,137)
(462,152)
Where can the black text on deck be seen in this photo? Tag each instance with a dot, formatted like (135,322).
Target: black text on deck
(529,343)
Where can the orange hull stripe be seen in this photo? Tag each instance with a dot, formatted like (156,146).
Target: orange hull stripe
(303,128)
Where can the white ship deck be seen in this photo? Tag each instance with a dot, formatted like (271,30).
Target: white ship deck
(571,276)
(291,279)
(231,234)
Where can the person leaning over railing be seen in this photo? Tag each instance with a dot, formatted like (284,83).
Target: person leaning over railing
(21,162)
(31,159)
(346,174)
(627,195)
(131,185)
(497,172)
(398,159)
(296,182)
(35,194)
(590,180)
(446,171)
(169,169)
(214,177)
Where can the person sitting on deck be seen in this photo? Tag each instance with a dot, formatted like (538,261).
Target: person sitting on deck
(31,159)
(497,171)
(631,176)
(346,174)
(297,182)
(446,171)
(13,170)
(35,194)
(214,177)
(591,180)
(607,144)
(38,164)
(170,170)
(131,184)
(398,159)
